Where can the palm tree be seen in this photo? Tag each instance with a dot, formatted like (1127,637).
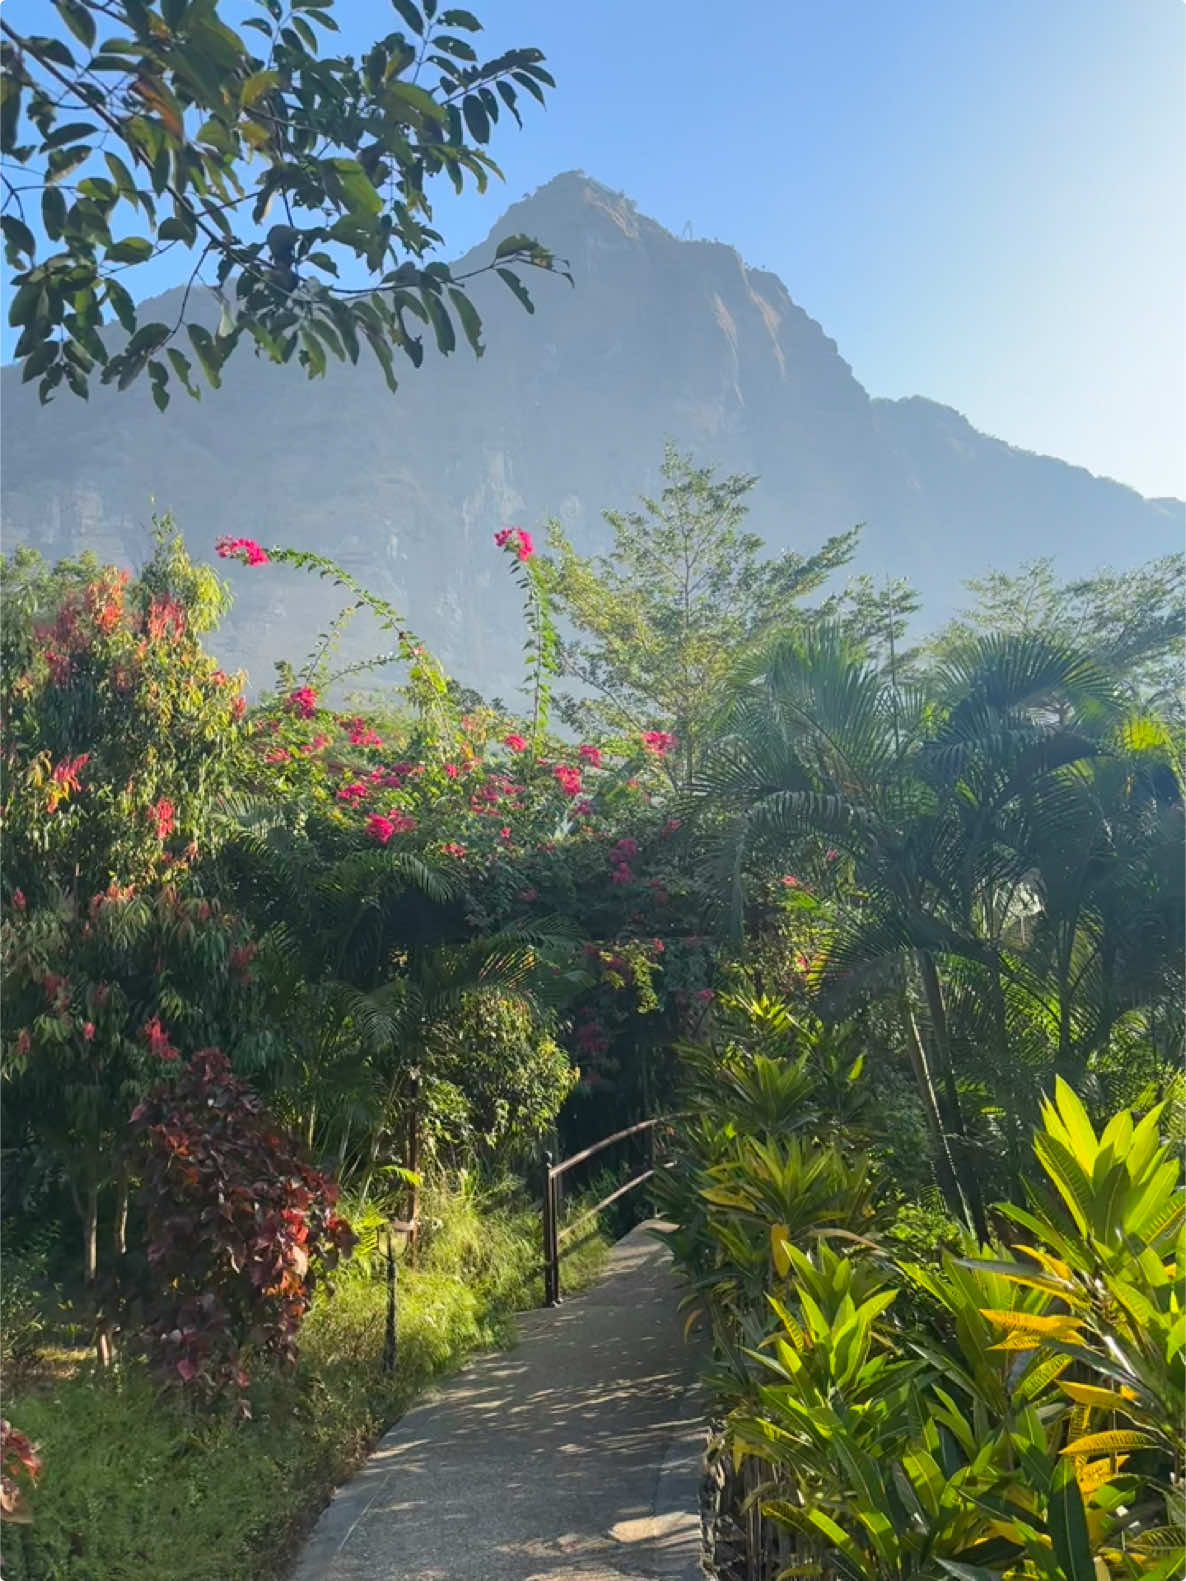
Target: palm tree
(990,857)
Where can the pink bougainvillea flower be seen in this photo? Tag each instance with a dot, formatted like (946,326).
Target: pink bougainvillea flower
(243,549)
(18,899)
(88,1031)
(157,1039)
(162,813)
(505,831)
(568,779)
(352,793)
(400,822)
(660,741)
(239,707)
(451,848)
(452,770)
(591,755)
(302,702)
(625,849)
(380,828)
(219,678)
(621,875)
(515,742)
(790,881)
(519,539)
(831,854)
(277,755)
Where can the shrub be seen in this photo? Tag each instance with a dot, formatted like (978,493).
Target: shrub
(239,1228)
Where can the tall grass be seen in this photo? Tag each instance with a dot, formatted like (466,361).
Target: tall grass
(136,1485)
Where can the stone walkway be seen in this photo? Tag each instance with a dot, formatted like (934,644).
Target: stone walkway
(573,1457)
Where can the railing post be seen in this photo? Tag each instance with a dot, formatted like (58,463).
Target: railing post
(551,1249)
(389,1337)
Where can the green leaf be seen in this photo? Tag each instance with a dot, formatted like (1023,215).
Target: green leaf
(515,244)
(63,160)
(178,227)
(122,305)
(78,19)
(53,212)
(411,15)
(18,235)
(183,368)
(39,360)
(70,132)
(516,287)
(207,352)
(356,187)
(160,385)
(1067,1521)
(476,118)
(471,323)
(133,250)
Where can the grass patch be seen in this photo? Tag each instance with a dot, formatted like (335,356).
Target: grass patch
(136,1485)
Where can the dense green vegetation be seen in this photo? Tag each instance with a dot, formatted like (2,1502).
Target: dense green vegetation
(283,975)
(296,184)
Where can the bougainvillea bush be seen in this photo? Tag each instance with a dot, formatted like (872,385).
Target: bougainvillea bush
(439,824)
(123,742)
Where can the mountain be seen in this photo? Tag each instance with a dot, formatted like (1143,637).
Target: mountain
(565,416)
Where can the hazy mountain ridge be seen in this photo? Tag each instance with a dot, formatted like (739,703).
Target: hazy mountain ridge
(566,415)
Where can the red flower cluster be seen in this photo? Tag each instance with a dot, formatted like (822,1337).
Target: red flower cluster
(302,702)
(590,755)
(162,813)
(396,822)
(568,779)
(519,539)
(361,734)
(19,1463)
(157,1039)
(166,617)
(243,549)
(515,742)
(620,858)
(67,771)
(451,848)
(660,741)
(352,793)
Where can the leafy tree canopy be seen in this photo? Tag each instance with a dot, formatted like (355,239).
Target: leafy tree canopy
(1130,622)
(686,594)
(297,184)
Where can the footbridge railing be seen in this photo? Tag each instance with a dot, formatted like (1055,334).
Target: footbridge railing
(558,1241)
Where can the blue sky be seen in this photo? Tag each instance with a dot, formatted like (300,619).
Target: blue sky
(981,202)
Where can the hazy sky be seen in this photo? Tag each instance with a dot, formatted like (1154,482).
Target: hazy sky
(981,202)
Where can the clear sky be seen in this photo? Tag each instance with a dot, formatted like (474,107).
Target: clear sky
(981,201)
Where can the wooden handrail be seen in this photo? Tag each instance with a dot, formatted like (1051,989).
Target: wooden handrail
(552,1172)
(618,1136)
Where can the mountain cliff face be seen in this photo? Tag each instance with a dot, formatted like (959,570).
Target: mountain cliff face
(566,415)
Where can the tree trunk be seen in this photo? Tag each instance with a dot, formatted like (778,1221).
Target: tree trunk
(413,1166)
(945,1170)
(956,1130)
(121,1213)
(90,1263)
(90,1233)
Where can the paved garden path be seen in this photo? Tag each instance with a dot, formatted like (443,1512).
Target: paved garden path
(573,1457)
